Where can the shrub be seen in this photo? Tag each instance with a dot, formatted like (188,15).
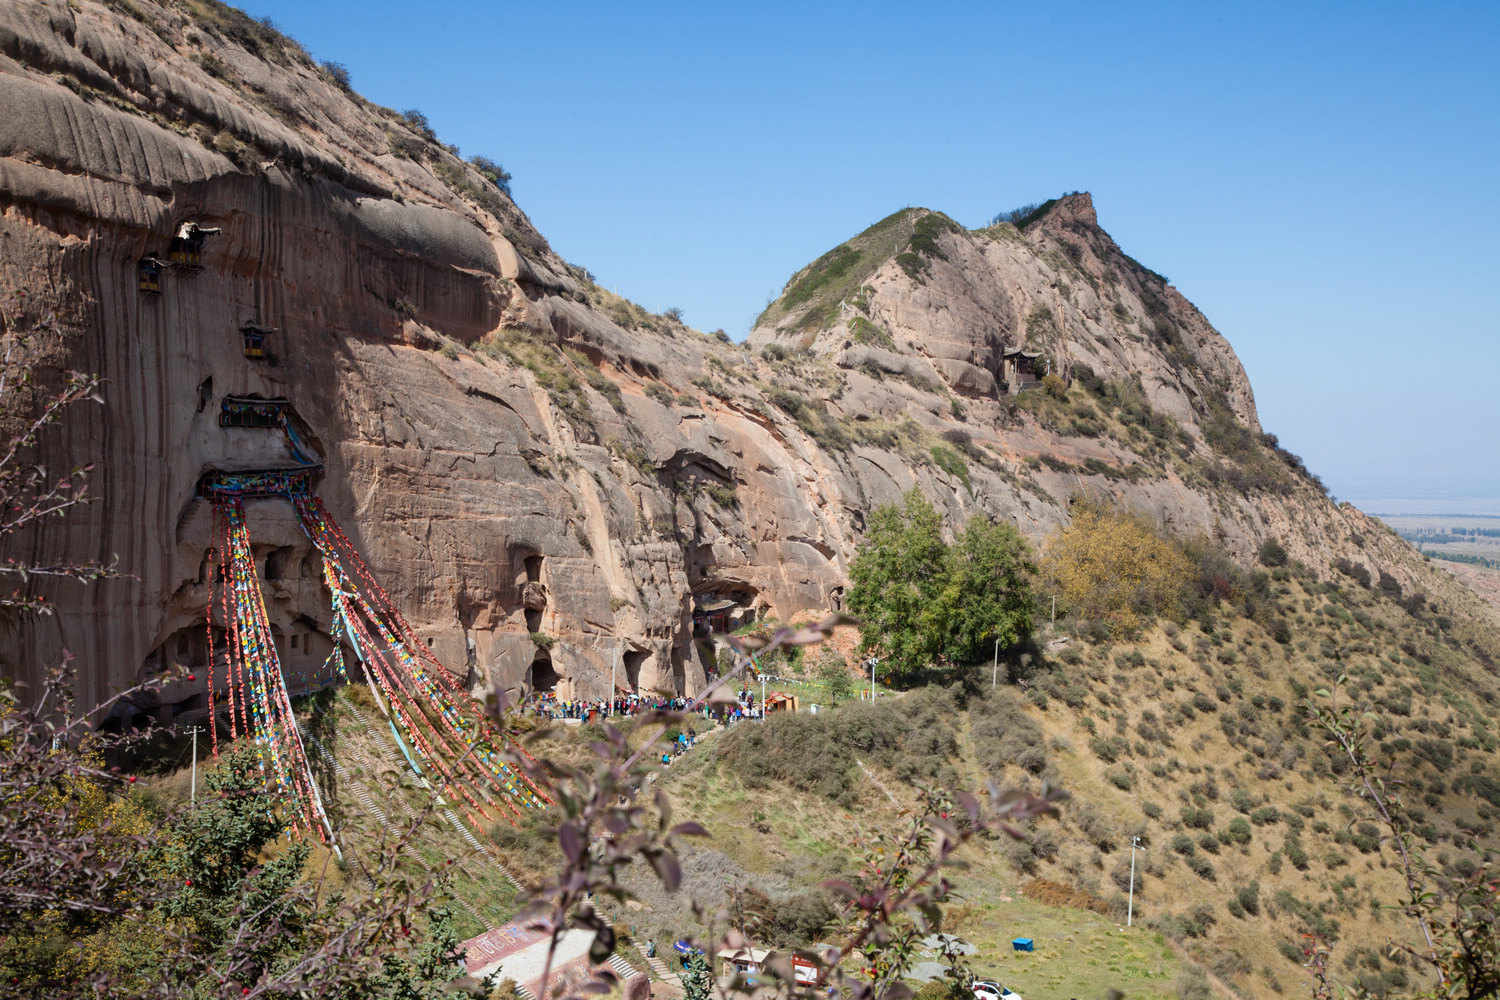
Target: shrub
(338,75)
(1238,831)
(1108,748)
(1198,819)
(492,172)
(1248,896)
(817,752)
(1192,984)
(862,331)
(1271,553)
(1202,868)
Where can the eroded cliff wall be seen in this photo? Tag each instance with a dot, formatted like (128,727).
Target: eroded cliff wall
(515,450)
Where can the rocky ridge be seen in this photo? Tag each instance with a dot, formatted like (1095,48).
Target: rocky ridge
(548,479)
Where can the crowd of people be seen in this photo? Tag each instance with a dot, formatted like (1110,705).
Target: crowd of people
(546,705)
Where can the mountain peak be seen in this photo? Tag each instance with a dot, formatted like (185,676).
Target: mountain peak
(1077,207)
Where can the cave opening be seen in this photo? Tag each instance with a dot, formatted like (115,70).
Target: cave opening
(633,661)
(541,675)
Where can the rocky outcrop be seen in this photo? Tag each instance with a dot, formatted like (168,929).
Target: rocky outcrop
(547,478)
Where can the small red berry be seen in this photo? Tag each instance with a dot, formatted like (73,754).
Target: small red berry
(189,883)
(131,779)
(192,677)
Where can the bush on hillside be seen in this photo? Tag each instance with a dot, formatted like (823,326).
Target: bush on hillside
(1004,735)
(912,737)
(1271,553)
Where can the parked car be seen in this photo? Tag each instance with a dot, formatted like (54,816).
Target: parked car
(988,989)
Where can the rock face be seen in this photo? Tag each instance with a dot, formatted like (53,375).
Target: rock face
(515,450)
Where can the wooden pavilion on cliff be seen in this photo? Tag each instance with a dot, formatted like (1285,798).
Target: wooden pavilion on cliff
(1018,369)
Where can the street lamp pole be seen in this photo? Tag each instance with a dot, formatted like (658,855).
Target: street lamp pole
(193,788)
(1130,907)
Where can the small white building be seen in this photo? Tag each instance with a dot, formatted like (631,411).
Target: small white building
(744,961)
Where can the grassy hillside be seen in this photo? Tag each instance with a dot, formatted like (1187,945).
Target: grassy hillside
(1192,736)
(812,297)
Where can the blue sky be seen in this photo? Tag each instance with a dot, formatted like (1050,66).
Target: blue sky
(1320,179)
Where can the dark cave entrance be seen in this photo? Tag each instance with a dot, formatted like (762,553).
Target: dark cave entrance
(542,676)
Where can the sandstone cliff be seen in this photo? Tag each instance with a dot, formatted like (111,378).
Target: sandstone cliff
(516,450)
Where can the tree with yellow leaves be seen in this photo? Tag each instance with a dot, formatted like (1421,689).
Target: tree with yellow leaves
(1113,565)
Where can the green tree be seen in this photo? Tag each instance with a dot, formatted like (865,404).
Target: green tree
(895,582)
(696,983)
(922,602)
(986,596)
(833,674)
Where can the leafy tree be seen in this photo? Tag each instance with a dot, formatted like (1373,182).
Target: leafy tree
(1113,565)
(213,900)
(986,597)
(923,602)
(895,582)
(833,674)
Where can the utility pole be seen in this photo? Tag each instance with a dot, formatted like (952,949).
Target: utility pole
(874,662)
(995,670)
(1054,612)
(193,793)
(613,664)
(1130,907)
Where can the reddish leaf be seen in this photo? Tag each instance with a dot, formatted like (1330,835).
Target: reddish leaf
(570,842)
(667,869)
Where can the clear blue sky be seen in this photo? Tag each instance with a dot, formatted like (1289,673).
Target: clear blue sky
(1319,178)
